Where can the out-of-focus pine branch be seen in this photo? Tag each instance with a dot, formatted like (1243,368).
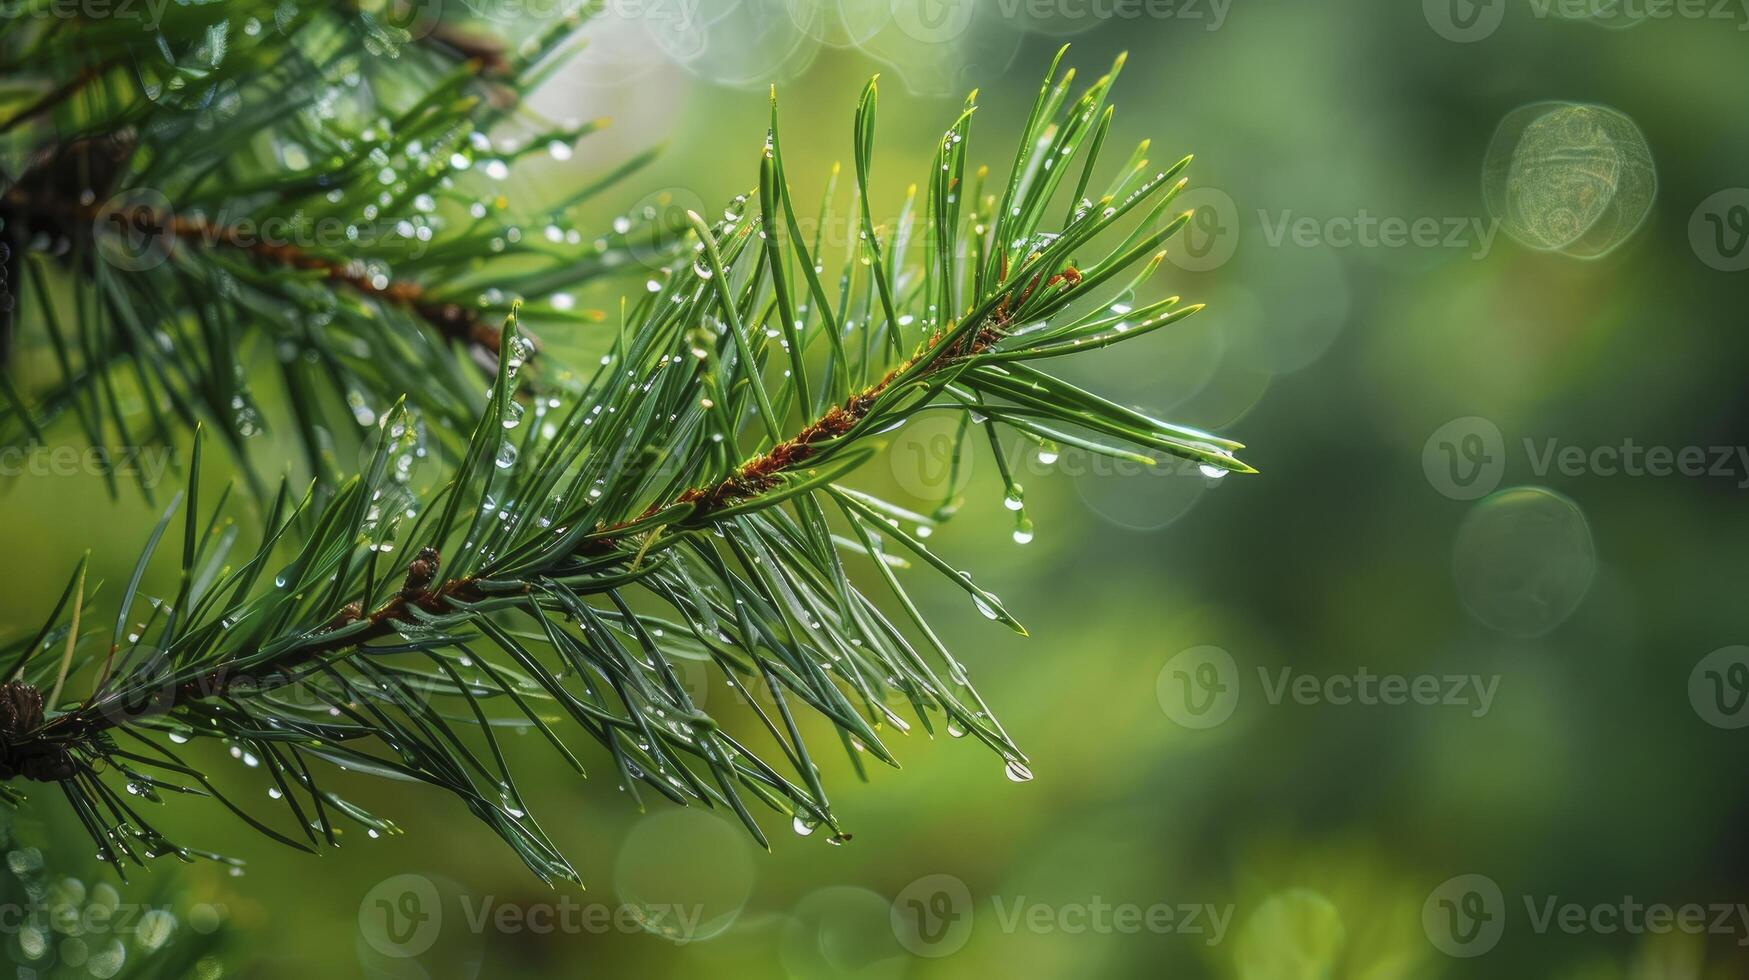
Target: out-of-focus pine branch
(316,183)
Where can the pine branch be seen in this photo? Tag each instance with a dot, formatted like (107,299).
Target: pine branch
(690,506)
(163,147)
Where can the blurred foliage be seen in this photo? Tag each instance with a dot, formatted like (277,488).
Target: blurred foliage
(64,917)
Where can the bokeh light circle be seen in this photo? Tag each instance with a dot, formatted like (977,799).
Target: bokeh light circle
(1570,178)
(685,874)
(941,48)
(742,43)
(842,932)
(1523,560)
(1133,495)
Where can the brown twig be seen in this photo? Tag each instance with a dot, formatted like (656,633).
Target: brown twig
(451,320)
(58,95)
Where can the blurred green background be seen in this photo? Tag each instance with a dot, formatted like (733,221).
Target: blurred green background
(1577,748)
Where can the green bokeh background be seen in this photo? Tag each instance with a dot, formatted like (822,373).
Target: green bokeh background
(1324,828)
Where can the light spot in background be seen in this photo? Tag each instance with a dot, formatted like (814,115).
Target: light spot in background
(1570,178)
(938,48)
(1523,560)
(1296,934)
(748,44)
(616,53)
(612,71)
(686,874)
(842,931)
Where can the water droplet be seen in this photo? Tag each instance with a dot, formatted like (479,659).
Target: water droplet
(1017,771)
